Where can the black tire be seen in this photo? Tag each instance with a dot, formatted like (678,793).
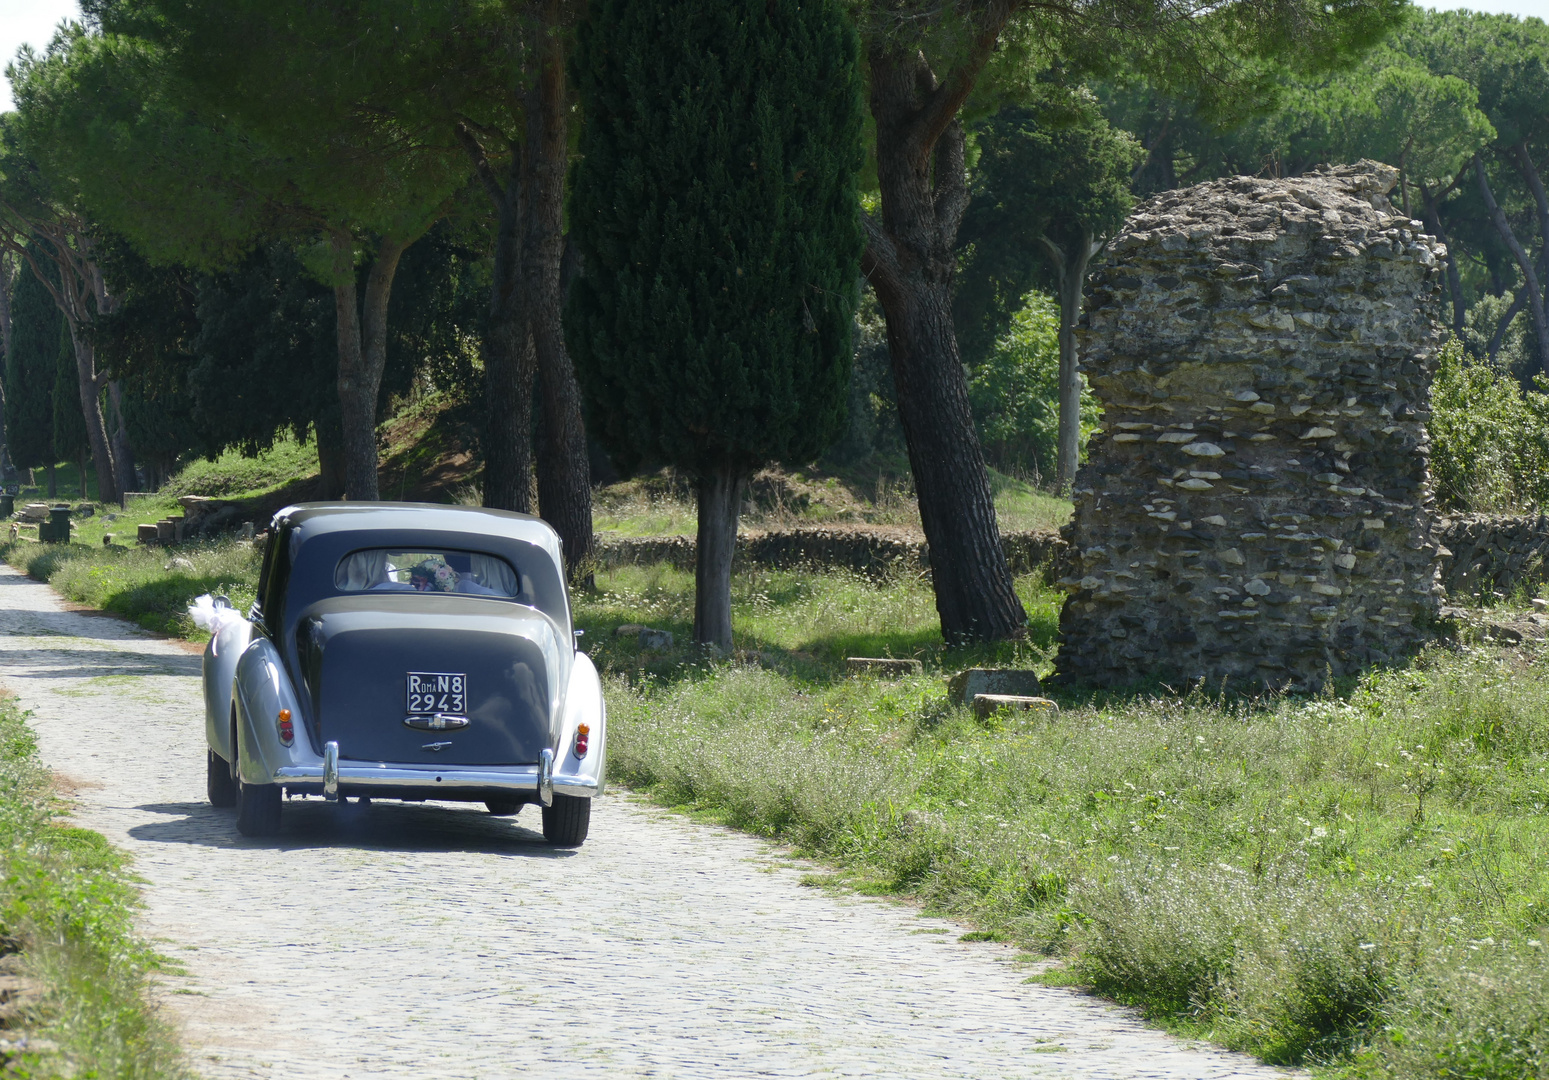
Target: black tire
(218,784)
(502,807)
(566,822)
(258,809)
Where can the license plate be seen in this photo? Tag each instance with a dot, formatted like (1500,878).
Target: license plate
(437,692)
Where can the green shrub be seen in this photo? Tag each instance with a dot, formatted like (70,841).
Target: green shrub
(1489,438)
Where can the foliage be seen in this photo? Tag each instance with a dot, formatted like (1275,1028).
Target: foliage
(29,372)
(1489,438)
(1041,177)
(1015,393)
(137,582)
(715,204)
(67,903)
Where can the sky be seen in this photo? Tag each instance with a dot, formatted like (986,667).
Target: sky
(32,22)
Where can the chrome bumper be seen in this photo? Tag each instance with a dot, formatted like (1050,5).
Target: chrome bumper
(356,776)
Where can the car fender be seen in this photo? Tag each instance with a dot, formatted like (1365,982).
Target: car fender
(584,704)
(220,668)
(262,689)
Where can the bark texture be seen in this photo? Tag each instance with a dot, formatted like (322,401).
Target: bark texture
(123,452)
(909,261)
(362,341)
(564,473)
(720,500)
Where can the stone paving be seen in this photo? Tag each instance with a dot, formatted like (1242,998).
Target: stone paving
(438,941)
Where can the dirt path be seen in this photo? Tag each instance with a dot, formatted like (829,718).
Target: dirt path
(437,941)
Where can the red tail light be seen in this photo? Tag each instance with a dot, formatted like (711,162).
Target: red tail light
(287,729)
(582,733)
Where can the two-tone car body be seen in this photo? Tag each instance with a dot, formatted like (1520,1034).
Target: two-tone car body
(406,651)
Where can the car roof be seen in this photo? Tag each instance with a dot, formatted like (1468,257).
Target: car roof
(321,518)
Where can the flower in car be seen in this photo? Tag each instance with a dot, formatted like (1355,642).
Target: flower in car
(433,575)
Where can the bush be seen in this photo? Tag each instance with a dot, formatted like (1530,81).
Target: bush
(1489,438)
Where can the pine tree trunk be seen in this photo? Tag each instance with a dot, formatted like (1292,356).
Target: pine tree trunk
(508,364)
(123,452)
(1071,272)
(91,410)
(362,341)
(910,260)
(564,473)
(330,466)
(1535,296)
(720,501)
(6,285)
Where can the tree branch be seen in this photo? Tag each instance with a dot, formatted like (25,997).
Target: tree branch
(941,105)
(481,165)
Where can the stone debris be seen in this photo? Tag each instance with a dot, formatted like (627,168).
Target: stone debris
(987,705)
(882,667)
(1257,508)
(966,685)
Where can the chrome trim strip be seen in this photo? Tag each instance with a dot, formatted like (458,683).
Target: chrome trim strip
(546,777)
(513,778)
(331,771)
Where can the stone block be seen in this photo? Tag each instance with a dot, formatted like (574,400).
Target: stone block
(147,534)
(963,687)
(987,705)
(882,667)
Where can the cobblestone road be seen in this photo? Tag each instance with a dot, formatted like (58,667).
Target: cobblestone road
(437,941)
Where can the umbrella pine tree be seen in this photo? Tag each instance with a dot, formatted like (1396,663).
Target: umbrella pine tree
(715,203)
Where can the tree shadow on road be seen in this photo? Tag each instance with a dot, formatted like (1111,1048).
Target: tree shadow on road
(383,826)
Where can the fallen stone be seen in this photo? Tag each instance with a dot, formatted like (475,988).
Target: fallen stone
(968,684)
(628,630)
(987,705)
(882,667)
(655,639)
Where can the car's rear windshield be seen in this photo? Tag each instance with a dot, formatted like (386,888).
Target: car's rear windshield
(468,573)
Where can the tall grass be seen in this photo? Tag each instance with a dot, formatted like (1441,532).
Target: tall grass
(1302,878)
(151,586)
(65,915)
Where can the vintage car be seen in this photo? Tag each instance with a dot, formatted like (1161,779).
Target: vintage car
(405,651)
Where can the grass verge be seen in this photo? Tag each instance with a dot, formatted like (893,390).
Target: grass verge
(1354,881)
(151,586)
(67,939)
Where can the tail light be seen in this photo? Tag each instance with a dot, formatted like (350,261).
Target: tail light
(287,728)
(582,734)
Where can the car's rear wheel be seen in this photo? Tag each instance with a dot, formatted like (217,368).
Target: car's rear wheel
(502,807)
(258,808)
(566,822)
(218,784)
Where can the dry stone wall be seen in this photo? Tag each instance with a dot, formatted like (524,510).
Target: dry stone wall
(1257,507)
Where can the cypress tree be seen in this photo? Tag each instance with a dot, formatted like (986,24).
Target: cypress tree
(29,372)
(715,203)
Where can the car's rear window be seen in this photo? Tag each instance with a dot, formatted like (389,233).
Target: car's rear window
(465,572)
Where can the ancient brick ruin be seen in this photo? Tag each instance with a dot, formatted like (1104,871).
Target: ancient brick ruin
(1257,508)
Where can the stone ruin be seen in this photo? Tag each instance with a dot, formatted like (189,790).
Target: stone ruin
(1257,510)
